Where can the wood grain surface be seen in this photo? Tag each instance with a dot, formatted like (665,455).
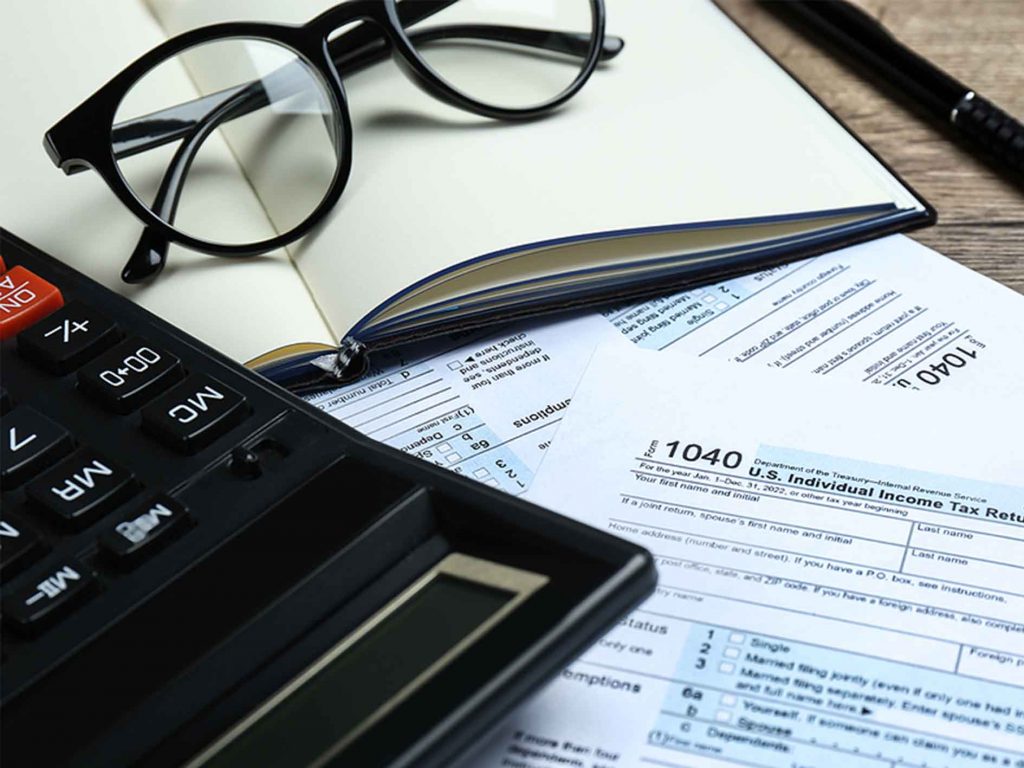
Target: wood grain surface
(979,42)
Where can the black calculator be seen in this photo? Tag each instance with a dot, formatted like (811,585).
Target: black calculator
(200,569)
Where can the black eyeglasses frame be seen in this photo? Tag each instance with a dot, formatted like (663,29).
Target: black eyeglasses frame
(82,140)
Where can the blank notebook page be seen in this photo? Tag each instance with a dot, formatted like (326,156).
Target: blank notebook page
(691,123)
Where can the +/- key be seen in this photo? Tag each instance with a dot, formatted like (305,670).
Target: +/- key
(67,338)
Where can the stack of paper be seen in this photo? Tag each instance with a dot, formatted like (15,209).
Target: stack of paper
(888,312)
(840,564)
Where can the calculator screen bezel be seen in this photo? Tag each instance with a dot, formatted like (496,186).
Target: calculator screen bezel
(515,585)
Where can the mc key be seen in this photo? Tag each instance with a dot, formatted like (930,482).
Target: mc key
(194,413)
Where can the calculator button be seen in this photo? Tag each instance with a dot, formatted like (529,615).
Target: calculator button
(25,298)
(143,531)
(19,545)
(194,413)
(125,377)
(56,591)
(31,442)
(81,488)
(67,338)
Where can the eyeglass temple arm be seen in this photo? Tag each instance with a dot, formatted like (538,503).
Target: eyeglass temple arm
(158,128)
(570,43)
(150,254)
(365,45)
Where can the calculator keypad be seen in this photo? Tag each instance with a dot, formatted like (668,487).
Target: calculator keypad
(90,493)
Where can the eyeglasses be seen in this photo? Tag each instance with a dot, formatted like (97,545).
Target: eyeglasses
(272,100)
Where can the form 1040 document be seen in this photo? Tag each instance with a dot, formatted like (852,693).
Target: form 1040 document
(841,574)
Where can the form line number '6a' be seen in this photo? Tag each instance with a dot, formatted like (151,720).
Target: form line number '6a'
(694,452)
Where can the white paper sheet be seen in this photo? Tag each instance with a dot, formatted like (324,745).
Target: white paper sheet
(840,578)
(889,312)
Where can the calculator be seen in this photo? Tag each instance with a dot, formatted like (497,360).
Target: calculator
(199,569)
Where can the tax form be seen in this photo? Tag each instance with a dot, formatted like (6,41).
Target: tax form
(841,574)
(889,312)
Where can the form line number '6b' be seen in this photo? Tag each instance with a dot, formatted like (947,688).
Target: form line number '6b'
(695,452)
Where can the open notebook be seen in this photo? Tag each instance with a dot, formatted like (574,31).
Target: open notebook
(691,153)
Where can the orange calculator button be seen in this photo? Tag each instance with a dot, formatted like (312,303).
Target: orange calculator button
(25,298)
(3,267)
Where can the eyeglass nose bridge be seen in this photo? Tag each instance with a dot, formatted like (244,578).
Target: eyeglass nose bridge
(344,13)
(388,15)
(380,34)
(362,23)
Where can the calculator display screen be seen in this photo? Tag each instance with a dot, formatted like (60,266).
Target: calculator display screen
(347,691)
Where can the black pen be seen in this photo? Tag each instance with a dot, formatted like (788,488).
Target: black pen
(848,28)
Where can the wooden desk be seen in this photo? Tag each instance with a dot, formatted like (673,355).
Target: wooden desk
(981,43)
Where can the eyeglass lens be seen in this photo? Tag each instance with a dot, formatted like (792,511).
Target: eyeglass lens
(264,110)
(512,54)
